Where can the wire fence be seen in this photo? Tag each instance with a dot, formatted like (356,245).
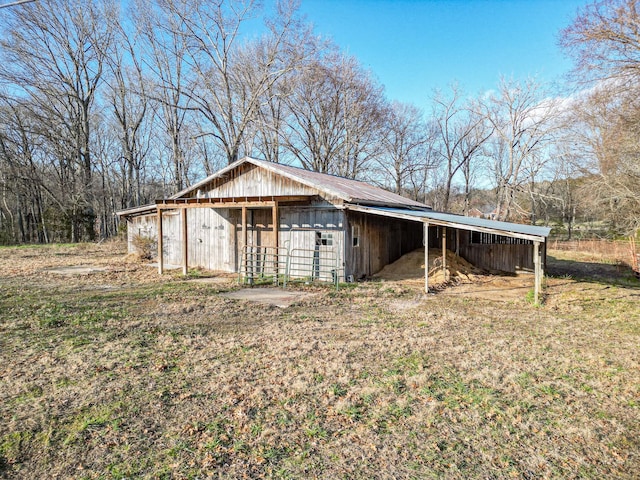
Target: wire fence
(615,251)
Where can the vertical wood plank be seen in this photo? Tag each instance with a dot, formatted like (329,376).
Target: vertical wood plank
(160,259)
(185,249)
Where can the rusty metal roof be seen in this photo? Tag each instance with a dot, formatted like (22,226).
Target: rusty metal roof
(350,191)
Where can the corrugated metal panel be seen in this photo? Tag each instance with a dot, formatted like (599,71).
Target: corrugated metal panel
(352,191)
(511,229)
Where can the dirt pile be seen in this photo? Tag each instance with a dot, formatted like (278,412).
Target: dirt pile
(411,267)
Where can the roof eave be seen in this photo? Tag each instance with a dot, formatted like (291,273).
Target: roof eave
(137,211)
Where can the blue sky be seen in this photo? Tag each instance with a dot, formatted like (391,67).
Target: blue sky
(414,46)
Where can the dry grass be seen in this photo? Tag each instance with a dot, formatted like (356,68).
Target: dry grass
(120,374)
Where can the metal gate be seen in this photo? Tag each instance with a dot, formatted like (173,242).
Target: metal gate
(263,265)
(281,265)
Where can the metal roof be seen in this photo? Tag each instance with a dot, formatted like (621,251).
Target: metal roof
(351,191)
(517,230)
(135,211)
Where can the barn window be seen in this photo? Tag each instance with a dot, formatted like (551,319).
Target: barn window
(326,239)
(355,235)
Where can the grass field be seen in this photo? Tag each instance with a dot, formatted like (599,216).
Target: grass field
(117,373)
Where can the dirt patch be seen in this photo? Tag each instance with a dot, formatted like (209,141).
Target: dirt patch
(503,288)
(76,270)
(269,296)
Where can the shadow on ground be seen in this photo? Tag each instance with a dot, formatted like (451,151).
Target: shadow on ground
(590,271)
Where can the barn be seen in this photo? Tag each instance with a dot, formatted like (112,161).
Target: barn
(261,218)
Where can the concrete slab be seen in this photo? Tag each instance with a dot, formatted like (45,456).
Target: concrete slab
(76,270)
(269,296)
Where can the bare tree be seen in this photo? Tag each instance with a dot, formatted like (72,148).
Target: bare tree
(54,57)
(232,75)
(404,145)
(604,41)
(335,119)
(127,95)
(163,42)
(522,120)
(462,132)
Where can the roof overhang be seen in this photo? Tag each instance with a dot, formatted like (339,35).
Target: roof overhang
(507,229)
(137,211)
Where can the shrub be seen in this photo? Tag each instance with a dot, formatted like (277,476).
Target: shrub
(145,246)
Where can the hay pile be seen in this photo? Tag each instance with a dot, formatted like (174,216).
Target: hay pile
(411,267)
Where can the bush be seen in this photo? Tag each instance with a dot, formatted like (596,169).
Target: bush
(145,246)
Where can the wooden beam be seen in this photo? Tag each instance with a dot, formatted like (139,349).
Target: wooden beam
(426,257)
(185,239)
(160,259)
(232,202)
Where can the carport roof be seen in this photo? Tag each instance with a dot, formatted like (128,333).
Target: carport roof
(508,229)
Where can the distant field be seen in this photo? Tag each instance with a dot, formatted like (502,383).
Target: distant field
(109,371)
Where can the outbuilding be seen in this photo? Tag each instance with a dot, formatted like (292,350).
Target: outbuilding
(257,217)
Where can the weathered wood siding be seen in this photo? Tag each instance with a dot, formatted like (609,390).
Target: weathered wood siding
(251,181)
(144,226)
(500,257)
(211,238)
(382,241)
(302,227)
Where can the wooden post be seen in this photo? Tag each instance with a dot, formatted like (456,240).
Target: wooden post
(444,253)
(243,251)
(536,263)
(276,230)
(160,259)
(185,248)
(426,257)
(244,227)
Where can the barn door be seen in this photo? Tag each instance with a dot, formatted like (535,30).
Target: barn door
(261,232)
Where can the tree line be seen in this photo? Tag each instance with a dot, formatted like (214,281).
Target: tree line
(107,105)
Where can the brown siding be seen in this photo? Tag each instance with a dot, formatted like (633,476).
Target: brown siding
(382,241)
(500,257)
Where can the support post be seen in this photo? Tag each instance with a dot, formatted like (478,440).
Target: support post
(444,254)
(244,227)
(185,247)
(243,250)
(160,259)
(537,268)
(276,233)
(426,257)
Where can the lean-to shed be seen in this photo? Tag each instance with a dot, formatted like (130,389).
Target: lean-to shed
(253,213)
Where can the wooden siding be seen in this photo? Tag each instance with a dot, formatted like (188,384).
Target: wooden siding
(211,238)
(215,235)
(497,256)
(251,181)
(300,228)
(143,226)
(382,241)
